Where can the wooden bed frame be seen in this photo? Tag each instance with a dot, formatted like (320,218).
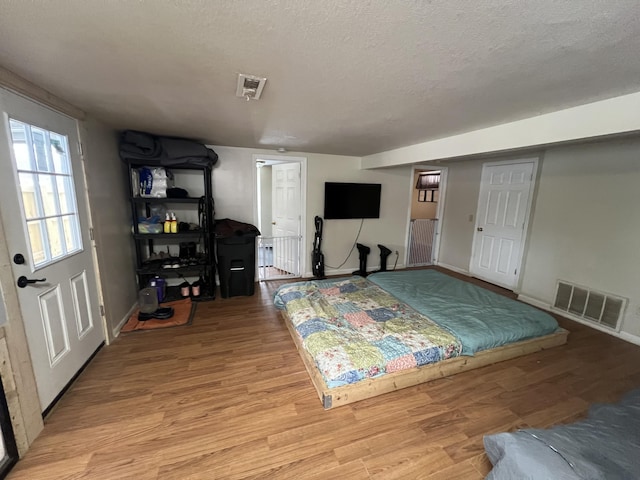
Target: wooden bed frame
(371,387)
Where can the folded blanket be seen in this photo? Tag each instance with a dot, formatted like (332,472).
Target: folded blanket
(167,151)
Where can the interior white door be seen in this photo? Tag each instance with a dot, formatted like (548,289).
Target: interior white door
(503,205)
(46,220)
(285,205)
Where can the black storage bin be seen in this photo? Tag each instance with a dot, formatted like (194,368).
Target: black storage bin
(236,264)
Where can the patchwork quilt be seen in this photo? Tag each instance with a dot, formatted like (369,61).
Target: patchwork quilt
(354,330)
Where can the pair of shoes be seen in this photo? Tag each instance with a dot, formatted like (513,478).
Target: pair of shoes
(188,262)
(187,290)
(162,313)
(171,264)
(158,256)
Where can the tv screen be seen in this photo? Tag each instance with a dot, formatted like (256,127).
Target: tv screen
(351,200)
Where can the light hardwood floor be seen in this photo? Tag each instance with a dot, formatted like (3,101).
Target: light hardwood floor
(229,398)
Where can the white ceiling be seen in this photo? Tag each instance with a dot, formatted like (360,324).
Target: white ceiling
(344,77)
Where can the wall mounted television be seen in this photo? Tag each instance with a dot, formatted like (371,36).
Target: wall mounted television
(351,200)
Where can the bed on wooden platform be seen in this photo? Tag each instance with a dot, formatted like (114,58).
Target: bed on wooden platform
(364,337)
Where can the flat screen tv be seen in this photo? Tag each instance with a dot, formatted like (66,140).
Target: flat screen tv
(351,200)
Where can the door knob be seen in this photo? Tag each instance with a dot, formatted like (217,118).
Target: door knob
(480,229)
(24,281)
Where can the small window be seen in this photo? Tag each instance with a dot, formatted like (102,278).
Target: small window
(45,178)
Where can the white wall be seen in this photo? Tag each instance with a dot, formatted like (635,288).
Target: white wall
(234,192)
(3,313)
(110,213)
(233,182)
(458,218)
(390,229)
(266,193)
(586,224)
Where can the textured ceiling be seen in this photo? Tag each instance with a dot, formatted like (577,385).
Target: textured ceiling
(344,77)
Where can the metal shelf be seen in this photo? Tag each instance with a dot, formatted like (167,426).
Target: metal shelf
(147,270)
(169,236)
(144,200)
(133,163)
(145,242)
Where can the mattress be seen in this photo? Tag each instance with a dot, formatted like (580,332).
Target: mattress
(481,319)
(354,330)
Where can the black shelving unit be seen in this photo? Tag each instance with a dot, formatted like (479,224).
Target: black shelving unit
(146,243)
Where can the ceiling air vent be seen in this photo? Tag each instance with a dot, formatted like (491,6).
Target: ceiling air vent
(250,86)
(588,304)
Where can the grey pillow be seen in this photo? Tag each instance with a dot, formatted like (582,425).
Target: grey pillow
(520,456)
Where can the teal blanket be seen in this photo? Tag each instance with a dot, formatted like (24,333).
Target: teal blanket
(481,319)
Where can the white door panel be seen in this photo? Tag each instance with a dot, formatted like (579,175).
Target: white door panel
(82,304)
(54,324)
(502,210)
(285,213)
(46,219)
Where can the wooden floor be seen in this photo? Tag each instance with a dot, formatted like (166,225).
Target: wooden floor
(229,398)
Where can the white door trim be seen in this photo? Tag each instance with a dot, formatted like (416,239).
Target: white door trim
(444,171)
(435,252)
(108,335)
(527,216)
(303,198)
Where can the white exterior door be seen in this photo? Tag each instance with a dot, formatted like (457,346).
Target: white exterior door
(503,206)
(286,215)
(46,220)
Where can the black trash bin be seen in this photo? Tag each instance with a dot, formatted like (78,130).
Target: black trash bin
(236,253)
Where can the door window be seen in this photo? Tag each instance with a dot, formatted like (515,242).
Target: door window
(45,178)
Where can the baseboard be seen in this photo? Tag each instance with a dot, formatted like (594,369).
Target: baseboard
(535,302)
(116,330)
(329,272)
(336,273)
(349,271)
(635,339)
(628,337)
(454,269)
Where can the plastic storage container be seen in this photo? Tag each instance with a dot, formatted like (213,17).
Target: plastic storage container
(148,300)
(236,264)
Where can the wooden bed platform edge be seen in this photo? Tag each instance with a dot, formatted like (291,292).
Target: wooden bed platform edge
(372,387)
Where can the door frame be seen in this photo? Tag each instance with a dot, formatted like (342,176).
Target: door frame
(108,335)
(527,217)
(303,198)
(25,412)
(10,291)
(437,235)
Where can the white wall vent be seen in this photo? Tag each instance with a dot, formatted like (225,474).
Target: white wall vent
(250,86)
(597,307)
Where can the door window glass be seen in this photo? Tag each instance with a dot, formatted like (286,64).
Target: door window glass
(45,177)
